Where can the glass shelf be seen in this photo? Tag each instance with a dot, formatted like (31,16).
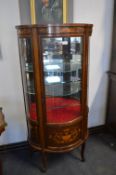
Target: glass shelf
(64,67)
(28,70)
(59,89)
(58,54)
(56,65)
(28,67)
(30,92)
(72,86)
(62,89)
(30,89)
(61,83)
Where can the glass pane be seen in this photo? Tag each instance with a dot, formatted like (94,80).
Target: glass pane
(62,60)
(28,78)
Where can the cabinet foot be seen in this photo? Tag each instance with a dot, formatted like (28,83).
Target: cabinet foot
(0,167)
(44,162)
(31,152)
(82,152)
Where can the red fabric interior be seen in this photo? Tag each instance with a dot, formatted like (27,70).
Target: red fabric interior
(59,110)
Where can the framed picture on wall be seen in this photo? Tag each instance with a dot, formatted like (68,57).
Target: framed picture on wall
(48,11)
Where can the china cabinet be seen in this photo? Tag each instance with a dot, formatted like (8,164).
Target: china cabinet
(54,68)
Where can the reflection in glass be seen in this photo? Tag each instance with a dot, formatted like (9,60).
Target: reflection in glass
(62,61)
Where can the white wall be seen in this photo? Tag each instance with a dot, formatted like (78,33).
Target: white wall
(100,14)
(11,97)
(24,10)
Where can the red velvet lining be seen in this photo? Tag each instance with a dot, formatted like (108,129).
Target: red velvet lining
(59,110)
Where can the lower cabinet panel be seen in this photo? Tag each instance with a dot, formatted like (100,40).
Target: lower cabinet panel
(64,135)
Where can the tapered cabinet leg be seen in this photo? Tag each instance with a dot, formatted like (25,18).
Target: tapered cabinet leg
(44,161)
(31,151)
(0,167)
(82,152)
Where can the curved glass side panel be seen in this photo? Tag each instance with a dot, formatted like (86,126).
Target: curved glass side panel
(62,61)
(26,58)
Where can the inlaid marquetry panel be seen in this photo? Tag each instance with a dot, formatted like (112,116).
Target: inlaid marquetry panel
(24,32)
(51,30)
(64,135)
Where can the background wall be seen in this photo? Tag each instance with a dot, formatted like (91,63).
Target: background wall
(11,96)
(24,10)
(98,13)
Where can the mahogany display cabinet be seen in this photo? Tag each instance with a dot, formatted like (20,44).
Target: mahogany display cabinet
(54,68)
